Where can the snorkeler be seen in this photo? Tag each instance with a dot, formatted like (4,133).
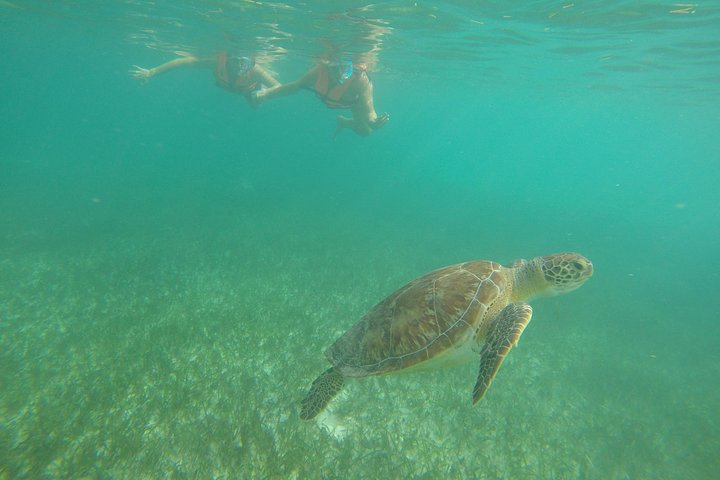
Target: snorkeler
(236,73)
(339,84)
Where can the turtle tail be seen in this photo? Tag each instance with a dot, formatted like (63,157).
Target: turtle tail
(322,390)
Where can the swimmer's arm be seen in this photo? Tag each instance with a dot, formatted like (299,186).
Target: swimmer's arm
(265,78)
(145,73)
(366,104)
(365,119)
(289,88)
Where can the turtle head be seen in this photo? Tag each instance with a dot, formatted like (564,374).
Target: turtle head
(564,272)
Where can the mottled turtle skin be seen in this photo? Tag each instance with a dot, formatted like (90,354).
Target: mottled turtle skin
(451,315)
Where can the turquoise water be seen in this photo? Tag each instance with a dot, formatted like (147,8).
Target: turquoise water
(173,262)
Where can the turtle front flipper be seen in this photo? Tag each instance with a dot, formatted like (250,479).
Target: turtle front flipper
(322,390)
(505,333)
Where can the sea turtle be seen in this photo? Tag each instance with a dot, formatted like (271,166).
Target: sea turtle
(449,316)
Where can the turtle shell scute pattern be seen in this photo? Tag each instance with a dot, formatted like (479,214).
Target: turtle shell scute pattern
(428,316)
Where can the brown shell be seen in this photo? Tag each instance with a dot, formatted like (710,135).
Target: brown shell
(420,320)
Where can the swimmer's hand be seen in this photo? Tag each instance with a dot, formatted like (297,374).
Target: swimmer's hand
(141,73)
(380,121)
(257,97)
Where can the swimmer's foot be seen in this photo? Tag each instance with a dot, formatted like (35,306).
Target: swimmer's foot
(342,122)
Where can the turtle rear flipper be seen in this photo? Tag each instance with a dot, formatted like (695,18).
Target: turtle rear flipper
(322,390)
(504,335)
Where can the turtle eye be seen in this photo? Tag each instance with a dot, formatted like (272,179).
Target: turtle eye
(578,265)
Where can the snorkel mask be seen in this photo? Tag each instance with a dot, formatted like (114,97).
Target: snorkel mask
(341,70)
(239,65)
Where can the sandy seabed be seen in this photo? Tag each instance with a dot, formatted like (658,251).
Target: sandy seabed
(142,359)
